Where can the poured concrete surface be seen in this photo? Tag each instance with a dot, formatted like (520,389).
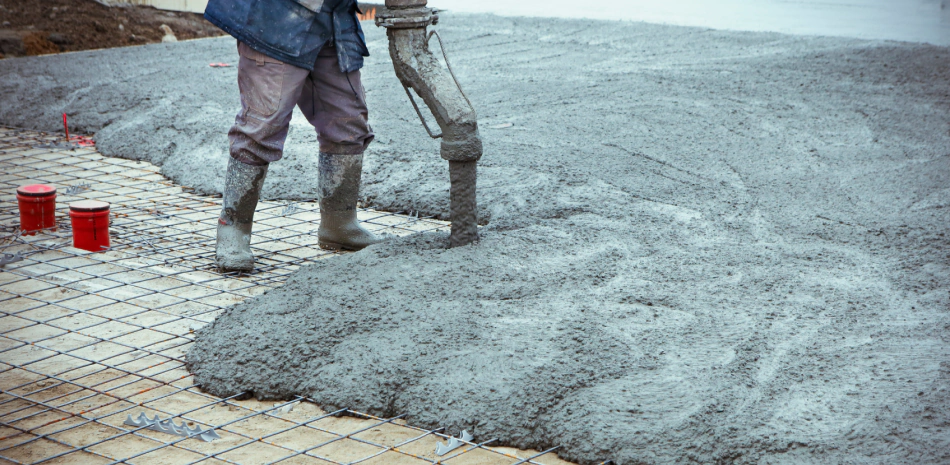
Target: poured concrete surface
(703,245)
(908,20)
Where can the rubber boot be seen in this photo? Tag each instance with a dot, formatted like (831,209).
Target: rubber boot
(242,189)
(339,185)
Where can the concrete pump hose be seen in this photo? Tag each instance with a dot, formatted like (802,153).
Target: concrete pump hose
(464,209)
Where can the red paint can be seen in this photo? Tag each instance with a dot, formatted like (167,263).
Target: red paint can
(90,220)
(37,208)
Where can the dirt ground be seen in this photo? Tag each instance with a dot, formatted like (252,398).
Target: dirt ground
(52,26)
(31,27)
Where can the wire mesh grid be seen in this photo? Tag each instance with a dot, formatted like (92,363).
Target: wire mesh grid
(88,340)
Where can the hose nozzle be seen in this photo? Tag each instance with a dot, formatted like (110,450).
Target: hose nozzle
(417,68)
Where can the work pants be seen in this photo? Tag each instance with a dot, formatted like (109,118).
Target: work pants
(334,102)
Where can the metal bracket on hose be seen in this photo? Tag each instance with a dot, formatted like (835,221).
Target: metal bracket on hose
(447,64)
(419,113)
(451,73)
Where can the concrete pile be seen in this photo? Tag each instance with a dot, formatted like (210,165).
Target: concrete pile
(702,245)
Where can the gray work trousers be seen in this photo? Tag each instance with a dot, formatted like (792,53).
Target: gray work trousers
(334,102)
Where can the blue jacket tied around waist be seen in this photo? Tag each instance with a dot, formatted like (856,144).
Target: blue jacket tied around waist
(294,31)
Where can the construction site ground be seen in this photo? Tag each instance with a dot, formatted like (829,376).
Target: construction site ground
(90,339)
(697,245)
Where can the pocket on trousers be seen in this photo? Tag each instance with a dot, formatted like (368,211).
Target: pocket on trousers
(260,81)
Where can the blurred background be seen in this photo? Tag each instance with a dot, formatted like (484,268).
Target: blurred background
(908,20)
(36,27)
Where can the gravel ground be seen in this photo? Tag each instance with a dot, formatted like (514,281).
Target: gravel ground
(701,245)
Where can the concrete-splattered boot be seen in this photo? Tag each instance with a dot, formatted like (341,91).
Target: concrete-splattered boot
(242,189)
(339,190)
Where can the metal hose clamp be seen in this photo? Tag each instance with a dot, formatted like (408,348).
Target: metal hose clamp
(408,18)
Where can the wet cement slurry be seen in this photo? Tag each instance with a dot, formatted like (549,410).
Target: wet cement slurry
(703,245)
(906,20)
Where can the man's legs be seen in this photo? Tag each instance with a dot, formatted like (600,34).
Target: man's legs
(269,91)
(335,104)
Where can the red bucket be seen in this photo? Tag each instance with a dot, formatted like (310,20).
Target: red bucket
(37,208)
(90,220)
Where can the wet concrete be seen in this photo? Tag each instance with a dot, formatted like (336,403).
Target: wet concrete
(906,20)
(704,245)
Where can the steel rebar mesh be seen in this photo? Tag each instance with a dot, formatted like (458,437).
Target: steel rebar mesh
(87,339)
